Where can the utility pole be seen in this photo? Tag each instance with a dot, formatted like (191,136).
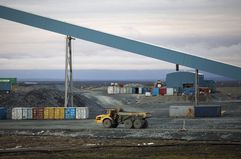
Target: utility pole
(196,87)
(68,74)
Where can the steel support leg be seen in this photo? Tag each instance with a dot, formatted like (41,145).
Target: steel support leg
(196,87)
(68,101)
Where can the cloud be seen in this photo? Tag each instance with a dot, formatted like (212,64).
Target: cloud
(210,29)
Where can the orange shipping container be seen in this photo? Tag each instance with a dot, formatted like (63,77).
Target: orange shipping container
(38,113)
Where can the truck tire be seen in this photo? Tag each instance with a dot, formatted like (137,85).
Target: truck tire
(138,123)
(145,125)
(128,124)
(107,123)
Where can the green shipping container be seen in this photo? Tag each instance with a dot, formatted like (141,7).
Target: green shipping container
(13,81)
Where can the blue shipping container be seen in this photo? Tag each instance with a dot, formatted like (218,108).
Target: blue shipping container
(144,90)
(189,91)
(3,113)
(5,86)
(70,113)
(155,91)
(207,111)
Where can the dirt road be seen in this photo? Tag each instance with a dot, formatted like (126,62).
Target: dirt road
(226,129)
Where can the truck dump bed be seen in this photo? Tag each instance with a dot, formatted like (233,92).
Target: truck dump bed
(137,114)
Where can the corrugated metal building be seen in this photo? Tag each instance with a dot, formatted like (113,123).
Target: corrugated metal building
(179,80)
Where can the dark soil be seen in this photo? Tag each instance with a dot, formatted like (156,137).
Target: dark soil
(28,147)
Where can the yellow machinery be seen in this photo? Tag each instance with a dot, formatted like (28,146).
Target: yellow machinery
(114,117)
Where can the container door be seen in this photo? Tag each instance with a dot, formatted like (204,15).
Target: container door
(40,113)
(29,113)
(140,90)
(80,112)
(61,113)
(66,114)
(46,113)
(110,90)
(73,112)
(25,113)
(14,115)
(34,113)
(19,113)
(56,113)
(77,113)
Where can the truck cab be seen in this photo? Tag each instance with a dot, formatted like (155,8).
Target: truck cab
(110,114)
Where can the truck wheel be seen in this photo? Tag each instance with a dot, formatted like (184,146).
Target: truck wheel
(138,123)
(128,124)
(107,123)
(145,125)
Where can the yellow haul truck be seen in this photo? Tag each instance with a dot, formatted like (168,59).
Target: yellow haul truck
(114,117)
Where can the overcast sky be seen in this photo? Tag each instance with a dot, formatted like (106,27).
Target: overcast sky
(207,28)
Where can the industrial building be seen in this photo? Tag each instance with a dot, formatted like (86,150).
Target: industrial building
(180,80)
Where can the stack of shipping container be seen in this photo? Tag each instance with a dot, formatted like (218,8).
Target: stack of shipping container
(49,113)
(8,84)
(72,113)
(160,88)
(154,91)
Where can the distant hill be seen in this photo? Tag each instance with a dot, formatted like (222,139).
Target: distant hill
(96,75)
